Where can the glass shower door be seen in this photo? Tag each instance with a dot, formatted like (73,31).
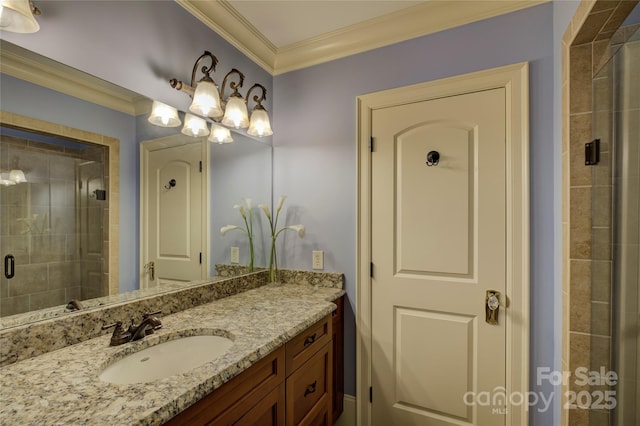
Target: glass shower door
(615,237)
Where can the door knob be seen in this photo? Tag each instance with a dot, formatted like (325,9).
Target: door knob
(492,307)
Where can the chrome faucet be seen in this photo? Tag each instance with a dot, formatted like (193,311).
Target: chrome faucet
(149,324)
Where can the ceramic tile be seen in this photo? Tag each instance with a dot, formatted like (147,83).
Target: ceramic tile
(580,291)
(580,89)
(580,174)
(601,280)
(591,27)
(619,15)
(580,223)
(601,318)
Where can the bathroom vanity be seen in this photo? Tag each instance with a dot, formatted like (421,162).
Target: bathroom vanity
(280,369)
(292,386)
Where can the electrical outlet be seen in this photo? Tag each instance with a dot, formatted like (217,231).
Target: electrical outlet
(235,254)
(317,259)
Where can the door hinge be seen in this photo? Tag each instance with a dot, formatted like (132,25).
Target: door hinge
(201,258)
(370,393)
(371,269)
(200,166)
(371,147)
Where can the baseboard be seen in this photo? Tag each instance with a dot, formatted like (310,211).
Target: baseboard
(348,416)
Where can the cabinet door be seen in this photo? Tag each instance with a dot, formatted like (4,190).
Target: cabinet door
(268,412)
(309,389)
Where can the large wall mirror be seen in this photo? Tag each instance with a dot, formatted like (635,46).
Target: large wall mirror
(81,144)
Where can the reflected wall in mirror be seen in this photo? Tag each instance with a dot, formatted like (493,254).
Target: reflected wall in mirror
(42,90)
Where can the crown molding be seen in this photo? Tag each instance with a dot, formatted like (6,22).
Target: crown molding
(416,21)
(222,18)
(25,65)
(426,18)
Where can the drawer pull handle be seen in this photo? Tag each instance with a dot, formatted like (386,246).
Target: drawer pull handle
(309,340)
(310,389)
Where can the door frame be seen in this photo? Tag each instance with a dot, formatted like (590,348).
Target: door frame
(515,80)
(171,142)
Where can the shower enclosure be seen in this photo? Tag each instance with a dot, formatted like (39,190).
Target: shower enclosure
(53,210)
(615,339)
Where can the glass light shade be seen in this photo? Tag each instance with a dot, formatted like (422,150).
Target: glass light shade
(16,16)
(206,100)
(5,181)
(259,125)
(219,134)
(164,115)
(235,113)
(17,176)
(194,126)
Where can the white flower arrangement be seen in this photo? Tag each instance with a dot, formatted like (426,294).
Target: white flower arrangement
(275,232)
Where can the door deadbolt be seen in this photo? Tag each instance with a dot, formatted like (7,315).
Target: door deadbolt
(492,307)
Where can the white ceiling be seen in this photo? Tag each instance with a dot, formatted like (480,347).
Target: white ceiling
(289,22)
(285,35)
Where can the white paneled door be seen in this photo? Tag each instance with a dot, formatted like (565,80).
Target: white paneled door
(438,246)
(174,222)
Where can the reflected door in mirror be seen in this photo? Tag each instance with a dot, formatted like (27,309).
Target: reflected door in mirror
(174,219)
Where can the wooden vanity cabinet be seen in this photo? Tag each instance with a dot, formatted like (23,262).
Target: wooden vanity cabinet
(255,396)
(300,383)
(337,318)
(309,382)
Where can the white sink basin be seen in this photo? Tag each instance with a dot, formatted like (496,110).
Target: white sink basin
(166,359)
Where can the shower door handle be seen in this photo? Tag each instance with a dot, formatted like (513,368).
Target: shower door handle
(9,266)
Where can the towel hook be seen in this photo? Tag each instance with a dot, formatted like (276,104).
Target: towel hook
(433,158)
(171,184)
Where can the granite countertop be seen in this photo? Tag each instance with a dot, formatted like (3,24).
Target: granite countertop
(62,387)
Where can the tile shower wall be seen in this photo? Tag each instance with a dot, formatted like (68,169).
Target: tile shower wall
(590,40)
(52,224)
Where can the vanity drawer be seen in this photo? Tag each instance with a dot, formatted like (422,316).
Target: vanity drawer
(304,345)
(309,390)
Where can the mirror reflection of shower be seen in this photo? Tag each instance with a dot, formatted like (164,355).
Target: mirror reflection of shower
(53,209)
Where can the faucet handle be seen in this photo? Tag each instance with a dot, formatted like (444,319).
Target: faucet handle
(148,314)
(153,321)
(115,324)
(120,335)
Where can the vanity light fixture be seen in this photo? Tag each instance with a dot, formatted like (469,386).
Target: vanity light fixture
(164,115)
(232,111)
(194,126)
(17,176)
(259,125)
(14,177)
(219,134)
(5,181)
(17,16)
